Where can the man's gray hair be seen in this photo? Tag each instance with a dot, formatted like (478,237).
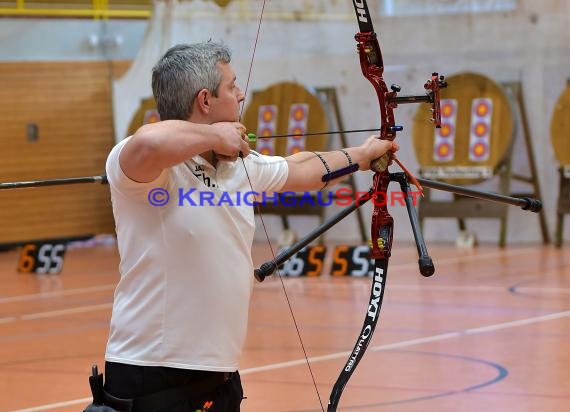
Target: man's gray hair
(182,72)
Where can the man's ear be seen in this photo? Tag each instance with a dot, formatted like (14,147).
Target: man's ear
(202,101)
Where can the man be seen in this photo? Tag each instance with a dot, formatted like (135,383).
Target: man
(180,310)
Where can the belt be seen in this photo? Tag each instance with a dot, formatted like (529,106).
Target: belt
(193,391)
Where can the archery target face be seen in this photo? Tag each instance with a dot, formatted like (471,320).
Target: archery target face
(298,118)
(480,136)
(476,133)
(267,119)
(444,137)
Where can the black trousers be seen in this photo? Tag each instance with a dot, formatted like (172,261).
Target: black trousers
(211,391)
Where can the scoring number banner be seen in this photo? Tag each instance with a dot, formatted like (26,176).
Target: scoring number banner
(42,258)
(347,260)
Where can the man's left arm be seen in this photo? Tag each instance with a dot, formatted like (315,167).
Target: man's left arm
(306,169)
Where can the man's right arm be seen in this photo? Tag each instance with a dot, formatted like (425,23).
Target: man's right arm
(157,146)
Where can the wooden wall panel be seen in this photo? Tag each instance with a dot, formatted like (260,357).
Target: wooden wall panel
(71,104)
(81,4)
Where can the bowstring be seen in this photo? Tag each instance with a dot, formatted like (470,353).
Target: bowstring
(265,230)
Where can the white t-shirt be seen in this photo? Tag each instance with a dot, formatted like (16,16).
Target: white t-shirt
(186,269)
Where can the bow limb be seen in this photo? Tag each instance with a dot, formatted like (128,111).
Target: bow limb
(372,66)
(382,230)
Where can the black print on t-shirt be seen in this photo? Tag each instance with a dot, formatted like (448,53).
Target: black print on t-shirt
(200,174)
(205,178)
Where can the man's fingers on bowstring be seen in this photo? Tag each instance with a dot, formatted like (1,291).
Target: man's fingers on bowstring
(229,138)
(244,150)
(244,143)
(240,128)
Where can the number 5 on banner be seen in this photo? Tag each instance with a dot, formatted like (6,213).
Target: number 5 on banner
(307,262)
(352,261)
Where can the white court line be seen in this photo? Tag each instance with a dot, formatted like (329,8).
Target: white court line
(474,289)
(468,289)
(437,262)
(542,290)
(471,289)
(84,401)
(8,319)
(435,288)
(412,342)
(69,311)
(54,313)
(455,259)
(78,291)
(378,348)
(56,293)
(443,288)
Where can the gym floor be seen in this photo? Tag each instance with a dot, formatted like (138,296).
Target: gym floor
(489,331)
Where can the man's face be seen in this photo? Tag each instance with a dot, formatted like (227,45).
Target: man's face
(226,106)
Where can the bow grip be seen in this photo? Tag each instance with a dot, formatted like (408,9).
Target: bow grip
(381,164)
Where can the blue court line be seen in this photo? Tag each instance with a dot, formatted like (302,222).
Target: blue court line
(502,373)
